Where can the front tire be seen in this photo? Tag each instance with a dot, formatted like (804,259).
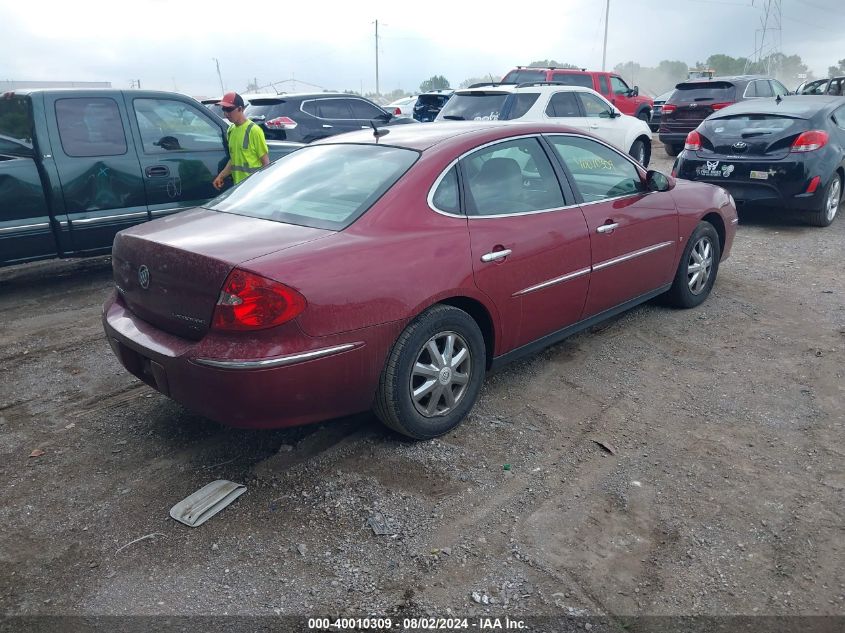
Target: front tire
(434,373)
(697,269)
(644,115)
(832,199)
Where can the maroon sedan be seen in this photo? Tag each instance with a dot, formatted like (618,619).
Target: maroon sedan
(391,272)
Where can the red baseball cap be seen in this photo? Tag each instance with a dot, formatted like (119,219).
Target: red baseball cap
(231,100)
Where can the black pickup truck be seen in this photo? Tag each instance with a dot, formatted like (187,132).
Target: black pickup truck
(77,166)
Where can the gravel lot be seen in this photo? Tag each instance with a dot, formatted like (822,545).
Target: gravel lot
(723,493)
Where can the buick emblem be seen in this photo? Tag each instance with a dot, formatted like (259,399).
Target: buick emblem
(739,146)
(144,276)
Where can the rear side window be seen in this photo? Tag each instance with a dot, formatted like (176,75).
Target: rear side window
(474,106)
(167,126)
(518,105)
(563,104)
(268,108)
(574,79)
(322,186)
(524,75)
(434,101)
(333,109)
(446,195)
(363,110)
(761,88)
(712,91)
(16,120)
(90,126)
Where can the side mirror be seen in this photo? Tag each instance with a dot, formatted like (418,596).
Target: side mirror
(384,117)
(657,181)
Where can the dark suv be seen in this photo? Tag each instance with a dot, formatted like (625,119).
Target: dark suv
(429,104)
(696,99)
(307,117)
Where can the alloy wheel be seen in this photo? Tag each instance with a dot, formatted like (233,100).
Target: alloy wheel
(441,374)
(833,196)
(700,265)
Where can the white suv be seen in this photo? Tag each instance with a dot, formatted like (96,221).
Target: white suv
(574,106)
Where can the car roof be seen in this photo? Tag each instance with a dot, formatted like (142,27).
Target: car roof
(799,106)
(724,79)
(428,135)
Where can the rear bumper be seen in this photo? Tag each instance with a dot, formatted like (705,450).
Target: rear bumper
(781,184)
(673,138)
(306,380)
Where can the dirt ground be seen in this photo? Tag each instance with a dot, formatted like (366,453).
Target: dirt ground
(724,493)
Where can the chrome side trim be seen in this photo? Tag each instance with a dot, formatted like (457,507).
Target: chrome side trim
(280,361)
(105,218)
(25,227)
(626,257)
(552,282)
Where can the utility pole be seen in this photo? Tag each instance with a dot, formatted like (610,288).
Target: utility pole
(377,90)
(604,48)
(219,76)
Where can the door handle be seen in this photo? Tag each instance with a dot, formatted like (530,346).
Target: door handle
(157,171)
(607,228)
(491,257)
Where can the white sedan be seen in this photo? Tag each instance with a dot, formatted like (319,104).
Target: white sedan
(403,107)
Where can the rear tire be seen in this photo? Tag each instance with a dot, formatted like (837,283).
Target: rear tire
(697,269)
(434,373)
(639,152)
(644,115)
(831,200)
(673,150)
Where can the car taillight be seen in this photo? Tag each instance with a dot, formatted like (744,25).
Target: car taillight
(693,141)
(809,141)
(252,302)
(668,108)
(397,111)
(719,106)
(281,123)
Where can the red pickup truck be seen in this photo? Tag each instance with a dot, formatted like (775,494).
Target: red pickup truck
(609,85)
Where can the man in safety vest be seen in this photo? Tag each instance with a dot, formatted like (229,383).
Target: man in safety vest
(247,146)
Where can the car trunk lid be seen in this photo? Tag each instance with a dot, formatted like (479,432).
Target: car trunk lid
(751,135)
(170,271)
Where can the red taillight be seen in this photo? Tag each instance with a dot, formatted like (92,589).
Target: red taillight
(693,141)
(281,123)
(810,141)
(814,184)
(397,111)
(252,302)
(668,108)
(719,106)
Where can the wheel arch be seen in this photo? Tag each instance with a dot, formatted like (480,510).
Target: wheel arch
(479,313)
(719,224)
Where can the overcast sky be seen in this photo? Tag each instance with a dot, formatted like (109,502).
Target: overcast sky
(170,45)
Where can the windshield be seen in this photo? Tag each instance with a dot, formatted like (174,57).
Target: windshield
(474,106)
(817,87)
(323,186)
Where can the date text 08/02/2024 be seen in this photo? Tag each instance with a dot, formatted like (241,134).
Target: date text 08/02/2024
(415,624)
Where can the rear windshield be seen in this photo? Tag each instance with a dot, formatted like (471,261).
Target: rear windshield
(323,186)
(718,91)
(753,125)
(15,123)
(523,75)
(435,101)
(264,107)
(474,106)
